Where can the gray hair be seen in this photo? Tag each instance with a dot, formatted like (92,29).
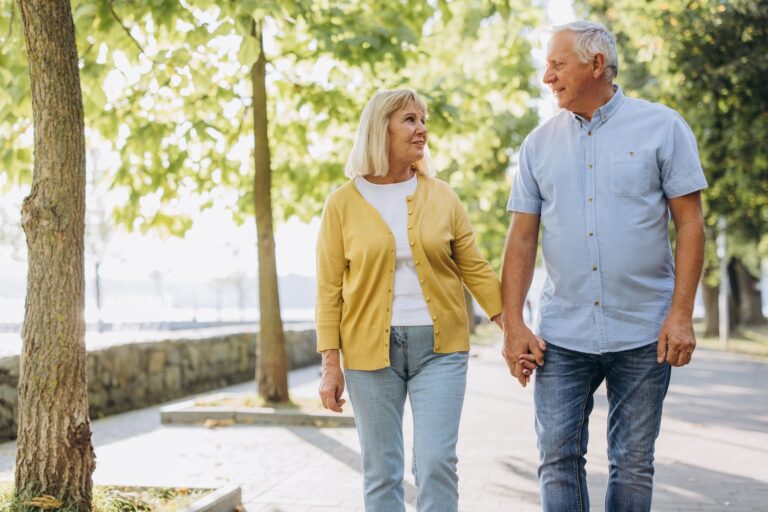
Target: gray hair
(593,38)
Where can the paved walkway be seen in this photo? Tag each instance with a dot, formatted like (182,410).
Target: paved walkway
(712,454)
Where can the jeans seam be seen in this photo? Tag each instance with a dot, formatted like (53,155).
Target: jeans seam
(578,454)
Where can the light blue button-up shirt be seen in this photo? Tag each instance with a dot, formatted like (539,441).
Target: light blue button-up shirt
(601,189)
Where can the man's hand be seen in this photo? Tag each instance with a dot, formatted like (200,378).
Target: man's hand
(676,340)
(522,351)
(332,381)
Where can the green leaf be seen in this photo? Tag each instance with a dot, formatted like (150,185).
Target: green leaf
(249,51)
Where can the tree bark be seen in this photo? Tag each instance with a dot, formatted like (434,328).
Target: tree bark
(272,365)
(55,455)
(750,299)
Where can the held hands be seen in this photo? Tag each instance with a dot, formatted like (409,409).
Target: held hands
(332,382)
(523,351)
(676,340)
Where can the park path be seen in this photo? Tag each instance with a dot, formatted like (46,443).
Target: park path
(712,454)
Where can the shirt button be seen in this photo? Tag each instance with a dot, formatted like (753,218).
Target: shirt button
(589,133)
(428,299)
(597,303)
(413,243)
(589,199)
(410,212)
(409,198)
(434,318)
(437,332)
(386,330)
(589,166)
(591,234)
(594,267)
(417,262)
(421,281)
(410,227)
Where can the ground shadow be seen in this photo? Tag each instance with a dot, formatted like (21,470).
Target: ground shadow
(342,453)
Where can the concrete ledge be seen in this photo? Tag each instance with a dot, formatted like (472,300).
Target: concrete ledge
(223,499)
(190,413)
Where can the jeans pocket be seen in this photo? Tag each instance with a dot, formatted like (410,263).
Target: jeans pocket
(631,172)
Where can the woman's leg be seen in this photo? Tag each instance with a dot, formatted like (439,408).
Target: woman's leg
(378,398)
(436,385)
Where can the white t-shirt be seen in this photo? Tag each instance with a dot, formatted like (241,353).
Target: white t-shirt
(408,305)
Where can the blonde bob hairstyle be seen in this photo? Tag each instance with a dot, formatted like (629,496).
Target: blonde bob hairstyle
(370,152)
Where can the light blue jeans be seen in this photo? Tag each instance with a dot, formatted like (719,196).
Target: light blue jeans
(563,394)
(435,384)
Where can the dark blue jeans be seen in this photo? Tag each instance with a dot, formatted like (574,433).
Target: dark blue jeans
(563,395)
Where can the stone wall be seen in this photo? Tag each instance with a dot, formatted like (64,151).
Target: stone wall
(136,375)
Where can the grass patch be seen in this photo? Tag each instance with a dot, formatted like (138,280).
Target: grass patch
(751,340)
(113,499)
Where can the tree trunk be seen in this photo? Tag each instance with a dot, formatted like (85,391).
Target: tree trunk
(750,299)
(470,311)
(734,297)
(55,455)
(711,310)
(272,364)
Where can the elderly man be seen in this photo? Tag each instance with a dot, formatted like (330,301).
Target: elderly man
(601,177)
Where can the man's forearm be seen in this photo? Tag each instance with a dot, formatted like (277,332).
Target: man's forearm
(689,260)
(516,277)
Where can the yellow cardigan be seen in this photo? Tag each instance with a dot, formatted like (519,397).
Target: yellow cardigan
(356,272)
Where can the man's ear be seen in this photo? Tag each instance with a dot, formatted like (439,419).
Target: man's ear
(598,65)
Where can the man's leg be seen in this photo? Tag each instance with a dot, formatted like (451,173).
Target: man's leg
(563,393)
(378,399)
(637,385)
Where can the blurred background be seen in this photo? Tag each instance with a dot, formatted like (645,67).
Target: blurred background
(171,240)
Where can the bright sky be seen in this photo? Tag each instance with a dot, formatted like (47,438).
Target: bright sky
(215,247)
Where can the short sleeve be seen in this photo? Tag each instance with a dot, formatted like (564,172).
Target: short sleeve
(525,196)
(678,159)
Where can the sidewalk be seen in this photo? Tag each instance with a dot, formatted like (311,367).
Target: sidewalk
(712,454)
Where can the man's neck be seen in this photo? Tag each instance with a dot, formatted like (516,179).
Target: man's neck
(602,96)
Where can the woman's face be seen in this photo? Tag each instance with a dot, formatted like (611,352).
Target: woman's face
(407,135)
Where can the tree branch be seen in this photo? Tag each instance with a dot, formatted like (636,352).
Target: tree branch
(127,30)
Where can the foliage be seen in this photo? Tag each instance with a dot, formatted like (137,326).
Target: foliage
(167,85)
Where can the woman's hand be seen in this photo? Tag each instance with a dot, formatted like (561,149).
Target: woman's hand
(332,381)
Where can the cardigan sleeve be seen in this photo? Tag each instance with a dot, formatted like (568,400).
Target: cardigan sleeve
(331,264)
(476,273)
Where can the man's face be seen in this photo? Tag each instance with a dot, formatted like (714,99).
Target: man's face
(571,81)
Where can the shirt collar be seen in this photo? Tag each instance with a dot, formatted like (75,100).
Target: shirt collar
(605,112)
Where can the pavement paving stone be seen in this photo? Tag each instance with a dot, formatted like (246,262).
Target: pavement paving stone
(711,456)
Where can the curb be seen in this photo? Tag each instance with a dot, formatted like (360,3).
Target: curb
(223,499)
(188,413)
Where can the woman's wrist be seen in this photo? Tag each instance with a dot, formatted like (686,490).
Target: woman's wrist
(331,359)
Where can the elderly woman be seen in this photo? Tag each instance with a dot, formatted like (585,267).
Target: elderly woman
(394,253)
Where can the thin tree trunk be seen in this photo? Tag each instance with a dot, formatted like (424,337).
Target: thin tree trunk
(711,310)
(734,297)
(55,455)
(750,299)
(272,366)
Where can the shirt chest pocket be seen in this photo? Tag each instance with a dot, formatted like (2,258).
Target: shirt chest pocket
(631,172)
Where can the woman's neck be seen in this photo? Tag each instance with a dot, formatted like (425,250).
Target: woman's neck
(404,174)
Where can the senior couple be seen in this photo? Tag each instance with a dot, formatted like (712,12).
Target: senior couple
(396,249)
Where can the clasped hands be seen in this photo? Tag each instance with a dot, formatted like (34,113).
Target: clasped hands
(523,351)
